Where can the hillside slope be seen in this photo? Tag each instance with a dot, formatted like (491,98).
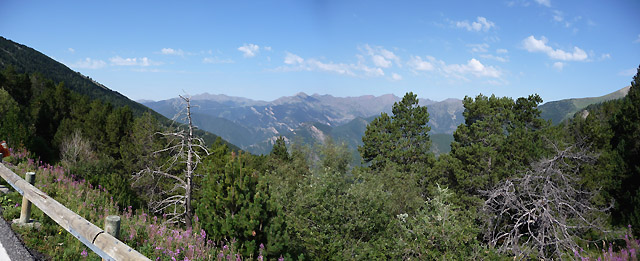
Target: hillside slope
(558,111)
(25,59)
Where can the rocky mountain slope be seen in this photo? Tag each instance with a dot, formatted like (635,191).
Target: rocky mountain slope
(254,125)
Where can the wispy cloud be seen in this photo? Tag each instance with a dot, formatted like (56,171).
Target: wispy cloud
(417,64)
(143,61)
(396,77)
(495,57)
(532,44)
(558,16)
(501,51)
(479,48)
(249,50)
(381,57)
(546,3)
(89,63)
(71,50)
(558,66)
(628,72)
(637,39)
(296,63)
(473,67)
(171,51)
(215,60)
(481,24)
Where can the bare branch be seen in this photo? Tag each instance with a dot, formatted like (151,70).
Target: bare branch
(174,200)
(543,210)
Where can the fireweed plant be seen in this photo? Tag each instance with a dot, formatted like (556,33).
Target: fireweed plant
(148,234)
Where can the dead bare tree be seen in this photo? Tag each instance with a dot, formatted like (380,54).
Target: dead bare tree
(75,148)
(184,150)
(545,210)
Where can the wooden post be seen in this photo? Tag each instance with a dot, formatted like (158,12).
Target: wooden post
(112,225)
(25,212)
(92,236)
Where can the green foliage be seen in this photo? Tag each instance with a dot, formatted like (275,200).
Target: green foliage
(500,136)
(235,205)
(12,128)
(279,151)
(334,219)
(440,230)
(626,142)
(402,138)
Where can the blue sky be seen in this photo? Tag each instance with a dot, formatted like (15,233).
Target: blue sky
(267,49)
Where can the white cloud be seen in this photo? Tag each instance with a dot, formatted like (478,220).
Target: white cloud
(89,63)
(546,3)
(605,56)
(216,60)
(473,66)
(637,40)
(494,57)
(396,77)
(297,63)
(532,44)
(381,57)
(558,66)
(171,51)
(557,16)
(479,48)
(249,50)
(502,51)
(293,59)
(416,63)
(267,48)
(481,24)
(143,61)
(71,50)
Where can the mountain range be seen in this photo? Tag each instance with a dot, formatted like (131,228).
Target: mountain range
(254,125)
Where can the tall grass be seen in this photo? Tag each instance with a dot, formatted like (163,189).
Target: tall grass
(150,235)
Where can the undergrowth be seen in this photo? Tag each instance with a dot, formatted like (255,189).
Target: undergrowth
(150,235)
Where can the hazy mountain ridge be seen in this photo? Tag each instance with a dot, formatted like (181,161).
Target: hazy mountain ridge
(253,125)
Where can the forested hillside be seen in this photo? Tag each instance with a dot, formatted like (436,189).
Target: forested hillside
(513,186)
(24,59)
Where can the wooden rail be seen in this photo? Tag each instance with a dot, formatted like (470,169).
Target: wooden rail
(102,243)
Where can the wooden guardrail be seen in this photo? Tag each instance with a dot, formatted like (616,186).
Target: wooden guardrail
(105,245)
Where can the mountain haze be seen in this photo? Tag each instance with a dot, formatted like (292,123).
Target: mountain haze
(254,125)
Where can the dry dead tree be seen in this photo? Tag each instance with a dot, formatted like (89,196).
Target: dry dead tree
(544,210)
(174,199)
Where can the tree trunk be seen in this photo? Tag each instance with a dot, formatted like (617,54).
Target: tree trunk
(189,168)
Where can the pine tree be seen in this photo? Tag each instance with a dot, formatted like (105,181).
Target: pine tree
(499,137)
(626,141)
(402,139)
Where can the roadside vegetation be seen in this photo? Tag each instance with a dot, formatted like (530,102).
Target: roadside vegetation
(513,185)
